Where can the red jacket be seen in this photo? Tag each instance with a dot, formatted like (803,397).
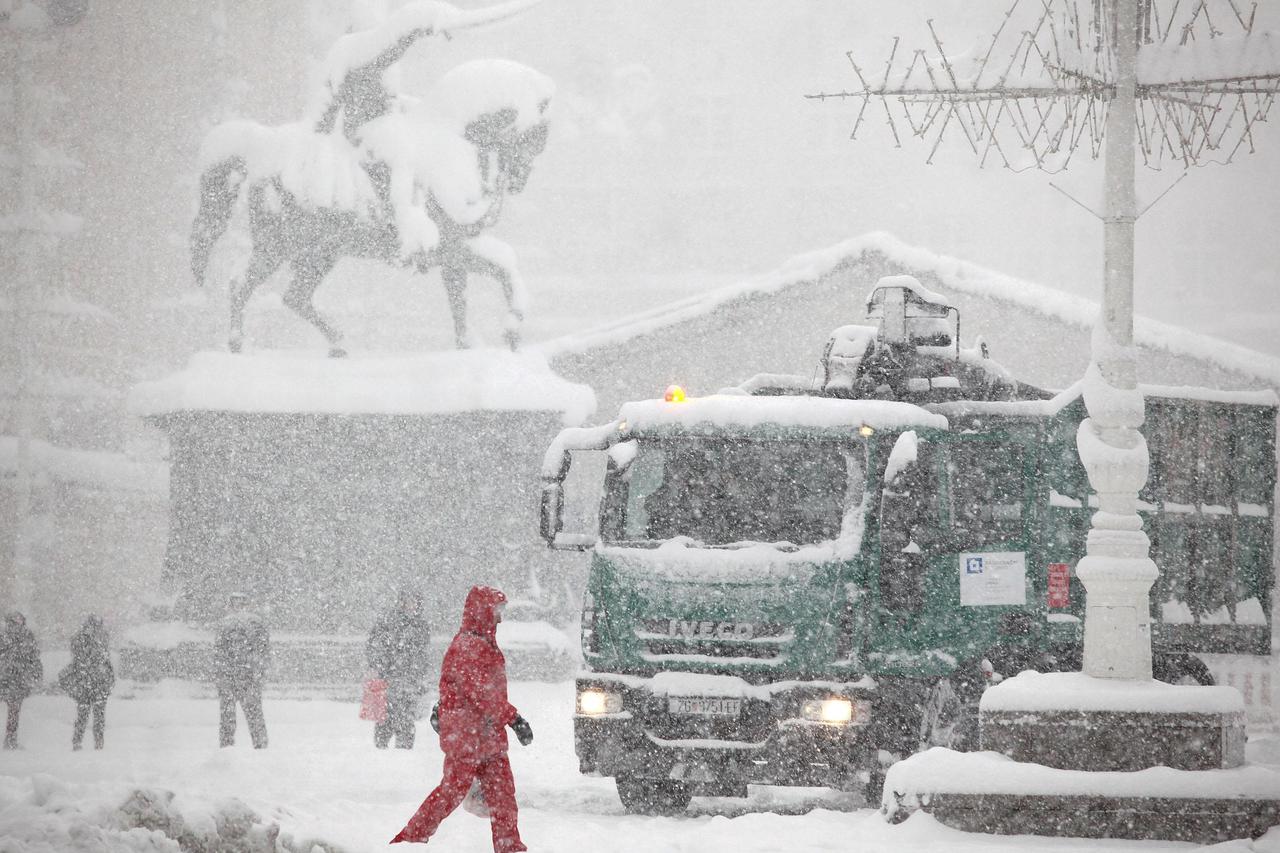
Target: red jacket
(474,711)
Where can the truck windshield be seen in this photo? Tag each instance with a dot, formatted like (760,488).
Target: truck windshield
(722,491)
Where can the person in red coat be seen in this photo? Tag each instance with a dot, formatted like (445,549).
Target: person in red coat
(474,714)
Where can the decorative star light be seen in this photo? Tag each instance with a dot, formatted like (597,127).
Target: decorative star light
(1041,89)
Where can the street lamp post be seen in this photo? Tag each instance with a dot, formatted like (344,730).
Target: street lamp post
(1117,571)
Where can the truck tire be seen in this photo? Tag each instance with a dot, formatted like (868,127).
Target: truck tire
(653,796)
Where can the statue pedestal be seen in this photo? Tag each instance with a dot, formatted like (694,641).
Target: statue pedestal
(1071,755)
(322,486)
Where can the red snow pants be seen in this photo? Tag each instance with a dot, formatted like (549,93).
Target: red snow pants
(499,790)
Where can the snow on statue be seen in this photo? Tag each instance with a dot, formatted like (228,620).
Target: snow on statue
(376,174)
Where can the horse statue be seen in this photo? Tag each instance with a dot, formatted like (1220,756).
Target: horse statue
(412,183)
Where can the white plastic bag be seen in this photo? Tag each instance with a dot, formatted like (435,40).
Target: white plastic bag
(474,800)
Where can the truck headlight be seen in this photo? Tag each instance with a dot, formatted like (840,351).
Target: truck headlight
(593,702)
(835,711)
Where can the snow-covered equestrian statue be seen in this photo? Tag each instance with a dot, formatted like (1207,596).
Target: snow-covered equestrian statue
(376,175)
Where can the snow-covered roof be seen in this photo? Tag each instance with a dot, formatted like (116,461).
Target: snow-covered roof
(954,274)
(743,412)
(422,383)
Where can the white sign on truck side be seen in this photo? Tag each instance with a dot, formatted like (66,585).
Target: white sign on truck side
(993,577)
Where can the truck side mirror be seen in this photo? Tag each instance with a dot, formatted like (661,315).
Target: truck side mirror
(549,520)
(582,504)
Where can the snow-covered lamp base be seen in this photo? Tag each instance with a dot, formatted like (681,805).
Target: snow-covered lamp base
(1072,721)
(1068,754)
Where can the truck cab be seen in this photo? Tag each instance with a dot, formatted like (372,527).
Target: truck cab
(795,583)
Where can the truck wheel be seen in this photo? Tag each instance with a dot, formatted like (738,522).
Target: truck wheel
(947,720)
(653,796)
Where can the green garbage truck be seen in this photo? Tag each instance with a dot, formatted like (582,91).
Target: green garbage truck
(796,582)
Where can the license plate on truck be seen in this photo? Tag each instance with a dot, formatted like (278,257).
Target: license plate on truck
(707,706)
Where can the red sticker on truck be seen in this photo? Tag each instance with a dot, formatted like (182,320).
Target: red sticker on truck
(1059,585)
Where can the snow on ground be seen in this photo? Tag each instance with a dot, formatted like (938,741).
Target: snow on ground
(322,780)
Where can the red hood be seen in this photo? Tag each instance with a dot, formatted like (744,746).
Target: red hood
(480,613)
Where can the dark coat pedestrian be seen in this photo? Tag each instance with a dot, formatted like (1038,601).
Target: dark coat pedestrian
(241,655)
(398,651)
(20,670)
(88,679)
(473,716)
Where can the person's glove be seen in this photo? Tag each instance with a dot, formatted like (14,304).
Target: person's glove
(524,732)
(435,717)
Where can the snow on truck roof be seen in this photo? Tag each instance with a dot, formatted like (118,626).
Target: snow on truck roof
(739,411)
(726,413)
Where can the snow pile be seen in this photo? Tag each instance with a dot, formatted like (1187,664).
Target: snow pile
(422,384)
(943,770)
(42,813)
(952,273)
(1075,691)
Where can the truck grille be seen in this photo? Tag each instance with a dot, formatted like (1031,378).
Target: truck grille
(674,639)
